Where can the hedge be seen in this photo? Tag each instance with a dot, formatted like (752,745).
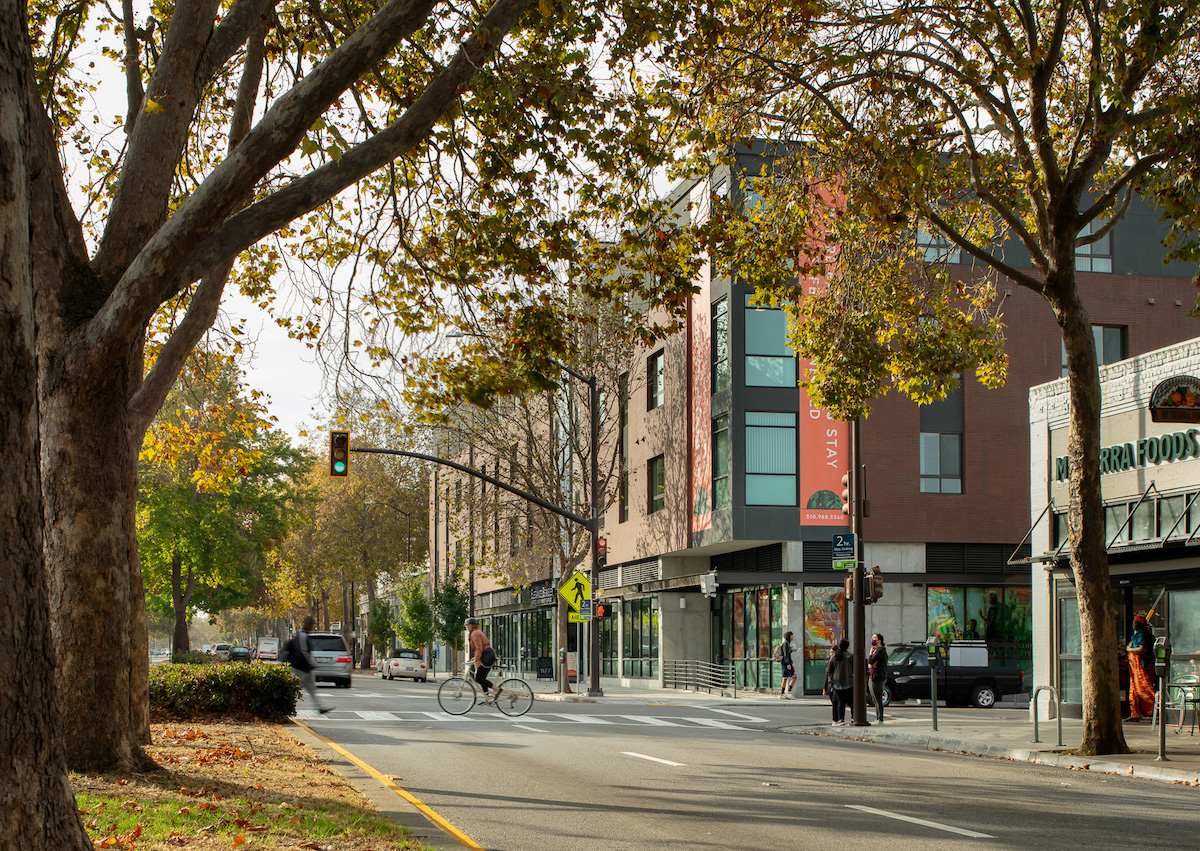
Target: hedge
(239,692)
(194,657)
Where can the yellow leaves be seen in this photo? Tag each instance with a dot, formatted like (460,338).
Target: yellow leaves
(152,106)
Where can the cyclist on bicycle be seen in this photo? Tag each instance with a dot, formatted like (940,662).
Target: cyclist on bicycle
(482,656)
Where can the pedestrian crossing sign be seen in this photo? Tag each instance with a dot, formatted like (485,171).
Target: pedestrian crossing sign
(575,591)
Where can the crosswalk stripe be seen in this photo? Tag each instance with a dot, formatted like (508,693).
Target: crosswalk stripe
(375,715)
(651,721)
(713,722)
(582,719)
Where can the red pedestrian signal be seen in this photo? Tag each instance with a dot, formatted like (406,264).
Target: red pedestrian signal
(602,609)
(339,454)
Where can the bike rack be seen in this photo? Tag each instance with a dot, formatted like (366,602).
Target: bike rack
(1057,712)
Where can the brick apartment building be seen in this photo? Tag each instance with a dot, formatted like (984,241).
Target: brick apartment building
(730,474)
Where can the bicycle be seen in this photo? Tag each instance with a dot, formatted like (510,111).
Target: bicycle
(460,693)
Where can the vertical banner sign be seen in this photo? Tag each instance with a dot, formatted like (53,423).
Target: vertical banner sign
(700,384)
(824,453)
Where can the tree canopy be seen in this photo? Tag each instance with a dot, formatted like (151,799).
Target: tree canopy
(978,128)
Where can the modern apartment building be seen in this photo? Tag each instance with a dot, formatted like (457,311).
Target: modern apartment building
(729,473)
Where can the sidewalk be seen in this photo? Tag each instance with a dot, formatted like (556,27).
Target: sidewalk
(1003,733)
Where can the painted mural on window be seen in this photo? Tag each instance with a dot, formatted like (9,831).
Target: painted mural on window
(1000,616)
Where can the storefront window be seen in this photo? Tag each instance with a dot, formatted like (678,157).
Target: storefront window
(1141,527)
(1185,632)
(641,637)
(1070,660)
(1114,519)
(751,623)
(1171,521)
(1000,616)
(824,618)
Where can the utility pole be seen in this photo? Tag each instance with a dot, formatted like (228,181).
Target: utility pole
(858,641)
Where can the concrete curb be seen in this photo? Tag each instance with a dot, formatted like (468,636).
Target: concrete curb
(936,742)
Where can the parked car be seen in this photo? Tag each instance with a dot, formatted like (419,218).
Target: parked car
(332,658)
(239,654)
(221,651)
(958,685)
(405,663)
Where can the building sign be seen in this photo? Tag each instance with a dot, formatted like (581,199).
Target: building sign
(1176,400)
(1165,449)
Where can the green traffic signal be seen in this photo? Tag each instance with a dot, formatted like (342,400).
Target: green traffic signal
(339,454)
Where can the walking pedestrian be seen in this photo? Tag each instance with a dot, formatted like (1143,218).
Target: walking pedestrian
(784,655)
(839,680)
(877,664)
(302,663)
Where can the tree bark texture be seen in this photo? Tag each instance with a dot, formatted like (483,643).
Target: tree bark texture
(1102,730)
(37,804)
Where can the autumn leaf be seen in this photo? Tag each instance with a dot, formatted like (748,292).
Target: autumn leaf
(238,840)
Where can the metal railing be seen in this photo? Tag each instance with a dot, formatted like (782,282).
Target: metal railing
(690,674)
(1057,711)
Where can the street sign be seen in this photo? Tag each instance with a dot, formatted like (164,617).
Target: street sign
(845,565)
(584,615)
(575,591)
(844,546)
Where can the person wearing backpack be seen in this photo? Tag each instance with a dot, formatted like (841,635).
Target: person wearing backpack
(483,657)
(302,664)
(783,655)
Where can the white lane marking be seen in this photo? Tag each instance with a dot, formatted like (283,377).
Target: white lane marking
(446,716)
(655,759)
(530,729)
(751,718)
(959,830)
(375,715)
(582,719)
(307,714)
(713,722)
(353,693)
(651,720)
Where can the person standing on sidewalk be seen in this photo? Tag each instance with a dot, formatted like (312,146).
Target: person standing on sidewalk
(789,667)
(1140,653)
(301,660)
(877,664)
(839,680)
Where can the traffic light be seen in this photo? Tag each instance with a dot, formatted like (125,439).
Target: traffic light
(601,552)
(876,584)
(339,454)
(602,609)
(848,587)
(847,499)
(867,588)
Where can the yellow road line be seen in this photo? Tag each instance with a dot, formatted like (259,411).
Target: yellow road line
(434,817)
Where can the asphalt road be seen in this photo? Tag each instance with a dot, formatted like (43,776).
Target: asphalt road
(637,775)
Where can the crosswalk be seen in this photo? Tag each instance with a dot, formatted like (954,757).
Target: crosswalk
(563,719)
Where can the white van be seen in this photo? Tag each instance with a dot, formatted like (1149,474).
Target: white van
(268,648)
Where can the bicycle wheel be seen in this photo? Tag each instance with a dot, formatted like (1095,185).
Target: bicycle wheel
(516,697)
(457,695)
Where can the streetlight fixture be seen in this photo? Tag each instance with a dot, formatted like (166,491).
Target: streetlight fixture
(593,526)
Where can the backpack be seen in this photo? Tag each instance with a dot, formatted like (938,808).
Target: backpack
(488,657)
(778,655)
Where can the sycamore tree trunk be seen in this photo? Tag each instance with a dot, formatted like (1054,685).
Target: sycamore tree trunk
(90,486)
(37,805)
(1102,730)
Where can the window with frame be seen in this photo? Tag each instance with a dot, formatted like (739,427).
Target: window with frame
(769,360)
(770,458)
(720,462)
(720,345)
(941,444)
(1110,345)
(657,478)
(937,248)
(1094,256)
(655,381)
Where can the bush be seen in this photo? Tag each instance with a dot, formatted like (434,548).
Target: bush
(239,692)
(193,657)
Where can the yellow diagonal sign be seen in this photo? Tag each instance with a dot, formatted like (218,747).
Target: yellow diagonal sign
(575,591)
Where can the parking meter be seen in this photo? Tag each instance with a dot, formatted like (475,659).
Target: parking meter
(933,653)
(1162,655)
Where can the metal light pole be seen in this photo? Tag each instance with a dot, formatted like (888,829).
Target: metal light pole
(859,635)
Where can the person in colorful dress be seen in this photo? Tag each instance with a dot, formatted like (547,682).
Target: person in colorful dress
(1140,653)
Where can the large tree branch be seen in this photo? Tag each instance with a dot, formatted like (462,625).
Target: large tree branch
(156,141)
(133,68)
(314,189)
(206,301)
(153,274)
(233,31)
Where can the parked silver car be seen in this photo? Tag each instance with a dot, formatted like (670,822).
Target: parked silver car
(404,663)
(332,658)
